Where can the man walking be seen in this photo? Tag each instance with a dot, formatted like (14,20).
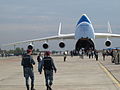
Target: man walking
(65,56)
(27,63)
(96,54)
(48,65)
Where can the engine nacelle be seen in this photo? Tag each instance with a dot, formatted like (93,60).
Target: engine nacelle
(61,44)
(45,46)
(108,43)
(30,46)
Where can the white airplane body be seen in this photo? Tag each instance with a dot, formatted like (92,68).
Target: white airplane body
(84,34)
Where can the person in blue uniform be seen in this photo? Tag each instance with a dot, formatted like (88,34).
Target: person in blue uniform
(48,66)
(27,63)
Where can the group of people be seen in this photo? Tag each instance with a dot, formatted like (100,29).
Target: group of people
(93,53)
(46,63)
(90,53)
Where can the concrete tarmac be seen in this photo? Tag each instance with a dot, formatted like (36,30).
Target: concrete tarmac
(74,74)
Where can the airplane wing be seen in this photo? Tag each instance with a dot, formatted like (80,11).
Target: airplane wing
(61,36)
(106,35)
(67,36)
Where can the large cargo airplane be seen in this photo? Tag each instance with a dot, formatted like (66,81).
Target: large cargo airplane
(84,34)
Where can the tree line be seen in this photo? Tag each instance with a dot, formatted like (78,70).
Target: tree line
(17,51)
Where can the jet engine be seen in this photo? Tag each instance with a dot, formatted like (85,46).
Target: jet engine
(61,44)
(30,46)
(45,45)
(108,43)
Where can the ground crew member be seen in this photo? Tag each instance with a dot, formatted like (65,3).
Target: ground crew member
(65,56)
(96,54)
(39,59)
(103,54)
(89,54)
(48,65)
(27,63)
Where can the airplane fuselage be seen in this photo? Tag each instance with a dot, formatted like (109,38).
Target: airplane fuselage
(84,34)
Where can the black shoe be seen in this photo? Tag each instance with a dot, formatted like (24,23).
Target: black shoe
(49,88)
(33,89)
(27,87)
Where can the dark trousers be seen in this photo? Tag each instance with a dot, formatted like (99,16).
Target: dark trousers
(65,58)
(48,78)
(28,73)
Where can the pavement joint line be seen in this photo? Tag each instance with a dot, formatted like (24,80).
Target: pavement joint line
(115,80)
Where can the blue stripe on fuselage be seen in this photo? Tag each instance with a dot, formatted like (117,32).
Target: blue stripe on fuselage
(83,19)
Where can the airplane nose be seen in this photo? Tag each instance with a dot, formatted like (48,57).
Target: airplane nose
(84,18)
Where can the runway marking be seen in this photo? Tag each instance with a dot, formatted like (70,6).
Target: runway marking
(109,74)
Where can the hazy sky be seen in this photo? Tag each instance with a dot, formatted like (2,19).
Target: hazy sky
(30,19)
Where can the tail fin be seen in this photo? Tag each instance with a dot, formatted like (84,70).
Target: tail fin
(60,27)
(109,27)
